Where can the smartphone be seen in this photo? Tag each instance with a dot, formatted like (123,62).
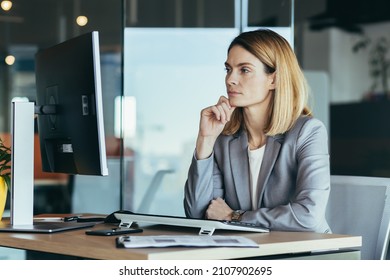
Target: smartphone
(113,231)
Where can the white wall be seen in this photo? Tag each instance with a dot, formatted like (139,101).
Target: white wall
(347,70)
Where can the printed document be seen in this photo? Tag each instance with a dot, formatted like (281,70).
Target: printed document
(184,240)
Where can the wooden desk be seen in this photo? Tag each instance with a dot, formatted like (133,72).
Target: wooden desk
(272,245)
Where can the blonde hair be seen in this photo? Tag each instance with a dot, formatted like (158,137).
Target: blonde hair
(290,98)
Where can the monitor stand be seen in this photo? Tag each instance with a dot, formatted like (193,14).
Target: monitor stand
(22,177)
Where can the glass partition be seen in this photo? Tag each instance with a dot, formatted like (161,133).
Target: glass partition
(172,74)
(31,25)
(173,68)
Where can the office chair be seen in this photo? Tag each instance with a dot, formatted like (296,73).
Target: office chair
(361,206)
(151,191)
(97,194)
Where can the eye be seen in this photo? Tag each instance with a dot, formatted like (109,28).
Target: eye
(227,69)
(245,70)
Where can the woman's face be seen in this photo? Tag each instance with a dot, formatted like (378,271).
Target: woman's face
(246,82)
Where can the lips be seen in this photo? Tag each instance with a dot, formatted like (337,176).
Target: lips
(233,93)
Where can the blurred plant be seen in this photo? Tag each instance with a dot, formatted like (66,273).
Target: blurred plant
(5,159)
(378,60)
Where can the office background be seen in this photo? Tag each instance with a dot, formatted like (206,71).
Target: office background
(162,62)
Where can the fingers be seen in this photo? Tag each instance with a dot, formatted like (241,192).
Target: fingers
(218,210)
(222,110)
(219,113)
(225,100)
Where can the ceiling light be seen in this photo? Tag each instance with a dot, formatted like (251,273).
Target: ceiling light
(6,5)
(82,20)
(10,59)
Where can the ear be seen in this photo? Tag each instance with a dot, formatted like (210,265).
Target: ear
(272,81)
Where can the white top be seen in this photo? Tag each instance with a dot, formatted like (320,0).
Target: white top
(255,160)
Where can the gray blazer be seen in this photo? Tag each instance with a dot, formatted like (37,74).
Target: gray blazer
(294,179)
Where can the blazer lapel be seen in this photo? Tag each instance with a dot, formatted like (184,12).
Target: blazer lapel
(270,155)
(240,169)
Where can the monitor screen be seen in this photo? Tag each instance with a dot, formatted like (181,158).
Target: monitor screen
(69,107)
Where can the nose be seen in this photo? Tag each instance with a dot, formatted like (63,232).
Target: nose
(231,79)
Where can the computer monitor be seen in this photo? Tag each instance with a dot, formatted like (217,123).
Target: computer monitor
(70,127)
(69,107)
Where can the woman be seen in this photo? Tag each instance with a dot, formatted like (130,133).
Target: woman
(260,156)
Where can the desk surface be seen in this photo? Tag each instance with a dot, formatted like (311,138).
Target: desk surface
(77,243)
